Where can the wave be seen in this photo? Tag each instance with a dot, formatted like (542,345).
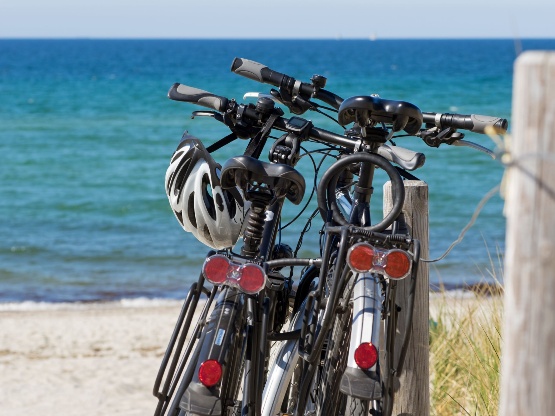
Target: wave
(446,291)
(142,302)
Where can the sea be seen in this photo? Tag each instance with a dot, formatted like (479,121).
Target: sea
(87,132)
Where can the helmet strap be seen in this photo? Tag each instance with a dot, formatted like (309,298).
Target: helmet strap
(221,143)
(255,146)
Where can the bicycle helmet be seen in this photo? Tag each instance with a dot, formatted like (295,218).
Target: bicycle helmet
(214,215)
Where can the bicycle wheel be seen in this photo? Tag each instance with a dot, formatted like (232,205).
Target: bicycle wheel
(230,391)
(317,382)
(283,373)
(173,409)
(332,400)
(175,369)
(221,341)
(348,390)
(313,381)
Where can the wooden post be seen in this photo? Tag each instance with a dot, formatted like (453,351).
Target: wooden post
(413,394)
(528,354)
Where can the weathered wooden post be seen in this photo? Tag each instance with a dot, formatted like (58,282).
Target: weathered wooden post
(528,354)
(413,398)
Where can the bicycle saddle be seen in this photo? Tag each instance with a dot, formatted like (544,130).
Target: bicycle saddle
(282,179)
(402,115)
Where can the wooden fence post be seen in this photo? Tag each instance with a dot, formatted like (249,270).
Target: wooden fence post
(413,398)
(528,354)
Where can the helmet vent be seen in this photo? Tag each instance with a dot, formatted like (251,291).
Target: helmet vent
(219,202)
(179,217)
(176,156)
(206,232)
(206,195)
(191,210)
(231,203)
(169,182)
(180,177)
(212,214)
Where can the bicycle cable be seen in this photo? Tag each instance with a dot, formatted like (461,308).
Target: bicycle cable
(306,229)
(325,114)
(316,170)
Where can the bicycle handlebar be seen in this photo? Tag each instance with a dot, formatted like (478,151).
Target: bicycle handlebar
(406,158)
(473,122)
(180,92)
(261,73)
(257,72)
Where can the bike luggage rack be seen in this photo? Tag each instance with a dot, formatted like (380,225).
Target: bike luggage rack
(174,350)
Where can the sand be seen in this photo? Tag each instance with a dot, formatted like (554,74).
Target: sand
(91,360)
(95,359)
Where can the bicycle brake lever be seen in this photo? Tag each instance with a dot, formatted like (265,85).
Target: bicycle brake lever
(433,137)
(262,95)
(475,146)
(213,114)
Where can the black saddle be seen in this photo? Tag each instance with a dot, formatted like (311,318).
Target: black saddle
(282,179)
(402,115)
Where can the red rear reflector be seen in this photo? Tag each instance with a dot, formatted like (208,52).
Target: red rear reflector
(393,263)
(398,264)
(210,373)
(215,269)
(252,279)
(360,257)
(366,355)
(249,277)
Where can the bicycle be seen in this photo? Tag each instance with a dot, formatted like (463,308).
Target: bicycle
(328,326)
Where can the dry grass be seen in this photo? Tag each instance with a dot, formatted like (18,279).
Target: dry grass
(465,352)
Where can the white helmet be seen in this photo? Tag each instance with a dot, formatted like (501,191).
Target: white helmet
(214,215)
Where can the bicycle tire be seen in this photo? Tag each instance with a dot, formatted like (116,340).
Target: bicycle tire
(334,402)
(295,387)
(356,407)
(287,370)
(323,391)
(282,373)
(223,396)
(234,378)
(322,397)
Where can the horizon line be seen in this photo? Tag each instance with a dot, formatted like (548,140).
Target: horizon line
(339,38)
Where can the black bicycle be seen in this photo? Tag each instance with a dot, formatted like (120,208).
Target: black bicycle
(269,340)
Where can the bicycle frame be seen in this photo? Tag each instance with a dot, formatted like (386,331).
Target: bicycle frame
(253,326)
(369,294)
(241,326)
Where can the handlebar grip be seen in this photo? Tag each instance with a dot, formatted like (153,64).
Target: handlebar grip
(407,159)
(473,122)
(257,72)
(180,92)
(482,122)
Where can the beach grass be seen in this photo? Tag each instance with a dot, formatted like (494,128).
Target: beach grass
(465,352)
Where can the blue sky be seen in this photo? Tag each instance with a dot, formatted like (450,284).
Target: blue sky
(277,19)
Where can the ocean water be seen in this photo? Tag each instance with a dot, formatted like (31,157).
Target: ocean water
(86,133)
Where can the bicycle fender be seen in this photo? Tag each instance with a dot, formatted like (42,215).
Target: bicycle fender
(215,343)
(365,327)
(281,372)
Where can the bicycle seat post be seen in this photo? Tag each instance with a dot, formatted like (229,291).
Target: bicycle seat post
(255,220)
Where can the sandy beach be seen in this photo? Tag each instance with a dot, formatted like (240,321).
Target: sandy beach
(86,360)
(91,359)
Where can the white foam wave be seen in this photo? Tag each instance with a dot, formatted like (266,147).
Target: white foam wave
(122,303)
